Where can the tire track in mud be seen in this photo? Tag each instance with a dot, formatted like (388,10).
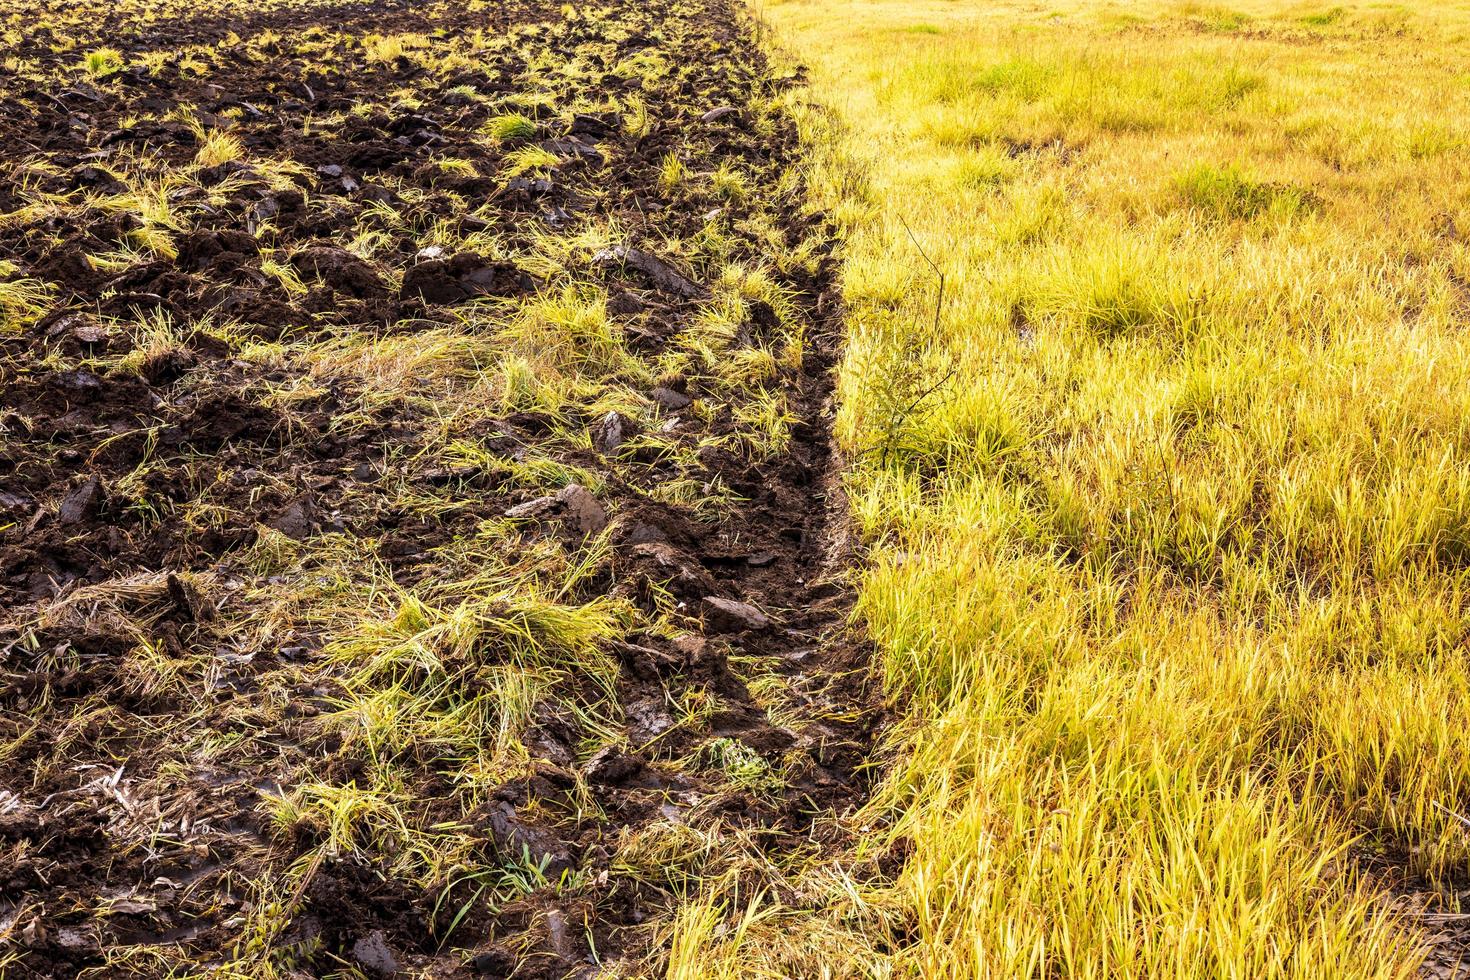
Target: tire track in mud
(169,685)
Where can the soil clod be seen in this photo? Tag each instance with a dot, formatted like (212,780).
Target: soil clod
(730,616)
(663,276)
(82,503)
(461,278)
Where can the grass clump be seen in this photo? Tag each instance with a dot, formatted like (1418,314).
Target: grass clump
(672,172)
(466,679)
(1228,192)
(22,301)
(530,158)
(1220,19)
(101,63)
(219,147)
(1324,18)
(569,332)
(512,126)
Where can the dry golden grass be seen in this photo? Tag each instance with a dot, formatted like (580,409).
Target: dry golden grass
(1169,507)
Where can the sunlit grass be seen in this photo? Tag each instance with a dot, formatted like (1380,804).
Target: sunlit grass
(22,301)
(511,126)
(1168,501)
(102,63)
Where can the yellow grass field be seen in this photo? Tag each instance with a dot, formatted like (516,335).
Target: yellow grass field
(734,489)
(1168,503)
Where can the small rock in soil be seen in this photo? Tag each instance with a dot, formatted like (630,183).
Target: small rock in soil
(574,502)
(12,504)
(551,741)
(297,520)
(610,432)
(683,578)
(372,954)
(89,333)
(82,503)
(75,937)
(582,508)
(694,648)
(83,383)
(730,616)
(647,720)
(539,507)
(556,933)
(530,187)
(670,399)
(721,112)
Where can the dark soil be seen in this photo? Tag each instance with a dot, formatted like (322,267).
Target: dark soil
(149,451)
(1436,907)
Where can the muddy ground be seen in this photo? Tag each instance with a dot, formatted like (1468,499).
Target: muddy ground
(420,544)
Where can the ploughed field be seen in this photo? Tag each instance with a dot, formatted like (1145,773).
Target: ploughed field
(419,545)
